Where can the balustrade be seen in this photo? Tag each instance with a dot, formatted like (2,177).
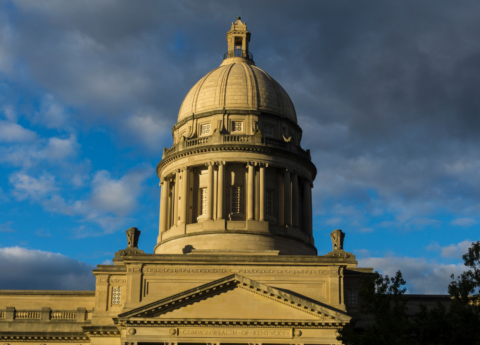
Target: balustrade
(63,315)
(237,138)
(231,139)
(27,314)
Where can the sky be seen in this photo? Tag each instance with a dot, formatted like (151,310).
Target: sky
(387,94)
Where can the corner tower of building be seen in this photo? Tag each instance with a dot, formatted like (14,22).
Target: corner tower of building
(236,177)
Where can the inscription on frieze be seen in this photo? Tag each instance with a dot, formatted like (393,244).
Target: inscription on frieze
(283,271)
(240,271)
(187,270)
(285,333)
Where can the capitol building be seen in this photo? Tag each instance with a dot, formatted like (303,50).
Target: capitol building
(235,261)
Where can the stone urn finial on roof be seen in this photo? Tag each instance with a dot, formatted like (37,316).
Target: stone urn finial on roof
(133,234)
(337,237)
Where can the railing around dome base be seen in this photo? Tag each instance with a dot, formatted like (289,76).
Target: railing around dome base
(238,53)
(232,139)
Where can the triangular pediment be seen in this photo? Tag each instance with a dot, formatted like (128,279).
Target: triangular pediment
(235,297)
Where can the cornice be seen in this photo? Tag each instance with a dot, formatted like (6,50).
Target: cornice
(237,147)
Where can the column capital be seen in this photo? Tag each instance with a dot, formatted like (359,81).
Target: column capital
(262,164)
(221,163)
(210,164)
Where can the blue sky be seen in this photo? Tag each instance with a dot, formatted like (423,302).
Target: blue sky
(387,96)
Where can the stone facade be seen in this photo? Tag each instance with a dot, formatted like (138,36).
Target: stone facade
(235,261)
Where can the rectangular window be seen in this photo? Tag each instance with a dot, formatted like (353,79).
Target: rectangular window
(269,202)
(203,196)
(205,129)
(352,298)
(268,131)
(236,199)
(237,126)
(116,295)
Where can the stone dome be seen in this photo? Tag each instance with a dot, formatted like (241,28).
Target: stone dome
(238,84)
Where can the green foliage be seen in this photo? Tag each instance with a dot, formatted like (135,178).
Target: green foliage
(384,308)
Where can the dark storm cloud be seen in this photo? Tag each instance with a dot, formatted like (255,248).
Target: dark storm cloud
(386,92)
(35,269)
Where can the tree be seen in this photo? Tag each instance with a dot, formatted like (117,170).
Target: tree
(385,307)
(384,304)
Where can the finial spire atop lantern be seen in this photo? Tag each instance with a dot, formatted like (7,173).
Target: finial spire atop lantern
(238,38)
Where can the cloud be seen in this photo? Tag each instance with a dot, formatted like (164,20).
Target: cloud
(14,133)
(28,269)
(455,251)
(464,222)
(109,204)
(422,276)
(51,114)
(53,150)
(147,127)
(29,187)
(117,195)
(5,227)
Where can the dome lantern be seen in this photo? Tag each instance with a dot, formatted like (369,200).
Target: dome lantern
(238,39)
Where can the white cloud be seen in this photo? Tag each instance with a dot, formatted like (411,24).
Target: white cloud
(465,222)
(52,114)
(117,196)
(147,126)
(39,270)
(9,113)
(110,202)
(26,186)
(455,251)
(58,149)
(422,276)
(14,133)
(54,150)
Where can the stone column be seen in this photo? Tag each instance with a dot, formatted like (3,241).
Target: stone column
(170,192)
(250,195)
(295,201)
(307,205)
(220,205)
(210,192)
(262,192)
(184,197)
(176,201)
(288,197)
(164,205)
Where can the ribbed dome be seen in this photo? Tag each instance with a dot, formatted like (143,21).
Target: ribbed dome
(239,85)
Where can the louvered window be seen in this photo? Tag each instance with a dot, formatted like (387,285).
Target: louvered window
(269,202)
(353,298)
(236,199)
(203,195)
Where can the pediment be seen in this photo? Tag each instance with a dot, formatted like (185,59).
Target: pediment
(235,297)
